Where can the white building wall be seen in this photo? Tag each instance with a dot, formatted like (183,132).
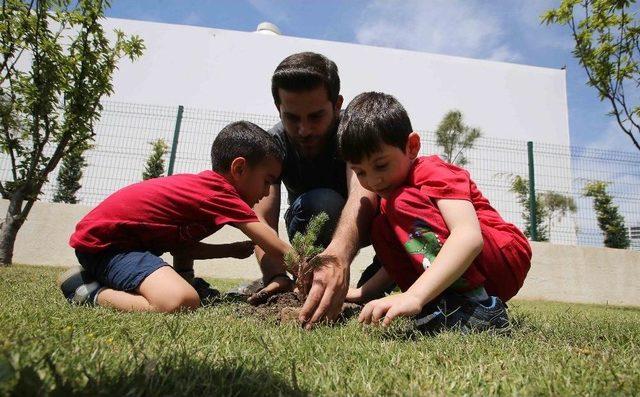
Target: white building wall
(224,73)
(230,70)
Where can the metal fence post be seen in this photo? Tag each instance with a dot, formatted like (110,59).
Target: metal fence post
(176,135)
(532,195)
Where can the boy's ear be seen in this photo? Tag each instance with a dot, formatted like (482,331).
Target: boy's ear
(338,105)
(238,167)
(413,145)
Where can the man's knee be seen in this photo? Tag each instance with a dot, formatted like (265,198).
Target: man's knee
(320,200)
(311,204)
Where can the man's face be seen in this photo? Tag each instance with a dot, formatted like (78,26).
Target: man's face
(308,117)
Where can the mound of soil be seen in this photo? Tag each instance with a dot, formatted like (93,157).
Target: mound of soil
(285,308)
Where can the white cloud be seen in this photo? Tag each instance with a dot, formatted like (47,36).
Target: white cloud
(504,54)
(539,34)
(448,27)
(612,138)
(271,10)
(193,18)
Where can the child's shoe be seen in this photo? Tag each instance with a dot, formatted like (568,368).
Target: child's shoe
(78,286)
(207,294)
(455,311)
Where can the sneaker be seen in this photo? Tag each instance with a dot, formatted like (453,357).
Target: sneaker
(78,286)
(455,311)
(207,294)
(244,291)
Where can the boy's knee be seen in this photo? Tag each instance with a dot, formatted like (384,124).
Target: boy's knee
(182,300)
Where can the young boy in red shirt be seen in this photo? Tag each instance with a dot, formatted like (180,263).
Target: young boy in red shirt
(452,255)
(119,242)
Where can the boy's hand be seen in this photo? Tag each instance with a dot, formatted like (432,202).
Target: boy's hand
(388,308)
(354,295)
(278,284)
(241,249)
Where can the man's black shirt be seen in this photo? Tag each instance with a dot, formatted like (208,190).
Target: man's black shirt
(300,175)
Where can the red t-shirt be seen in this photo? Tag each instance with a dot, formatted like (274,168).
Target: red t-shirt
(506,255)
(438,179)
(162,214)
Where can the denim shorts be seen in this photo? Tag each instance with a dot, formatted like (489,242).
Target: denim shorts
(121,270)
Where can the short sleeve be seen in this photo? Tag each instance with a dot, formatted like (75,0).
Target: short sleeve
(227,207)
(441,180)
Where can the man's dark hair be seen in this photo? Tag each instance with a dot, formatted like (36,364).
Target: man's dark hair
(305,71)
(242,139)
(372,118)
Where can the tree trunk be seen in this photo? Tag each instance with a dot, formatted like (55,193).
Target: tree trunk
(9,230)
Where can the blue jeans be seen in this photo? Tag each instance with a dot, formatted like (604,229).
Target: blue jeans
(312,203)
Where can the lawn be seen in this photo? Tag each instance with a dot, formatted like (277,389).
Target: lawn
(50,347)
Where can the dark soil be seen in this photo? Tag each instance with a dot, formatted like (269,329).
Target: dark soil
(285,308)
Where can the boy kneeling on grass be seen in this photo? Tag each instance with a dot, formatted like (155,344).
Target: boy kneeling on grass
(452,255)
(119,243)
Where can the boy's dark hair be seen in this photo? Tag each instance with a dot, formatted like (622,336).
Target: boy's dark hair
(372,118)
(242,139)
(305,71)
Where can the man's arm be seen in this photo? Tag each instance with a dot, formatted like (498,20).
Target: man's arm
(331,282)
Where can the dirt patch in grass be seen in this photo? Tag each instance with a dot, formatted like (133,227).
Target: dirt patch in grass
(285,308)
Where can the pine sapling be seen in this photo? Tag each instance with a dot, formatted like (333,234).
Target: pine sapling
(303,260)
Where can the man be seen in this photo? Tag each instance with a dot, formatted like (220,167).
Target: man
(305,88)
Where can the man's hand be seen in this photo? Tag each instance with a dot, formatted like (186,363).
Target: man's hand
(241,249)
(388,308)
(328,290)
(280,283)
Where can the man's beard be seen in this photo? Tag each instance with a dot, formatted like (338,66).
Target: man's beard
(319,143)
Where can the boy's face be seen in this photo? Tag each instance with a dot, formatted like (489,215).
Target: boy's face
(387,169)
(253,182)
(307,118)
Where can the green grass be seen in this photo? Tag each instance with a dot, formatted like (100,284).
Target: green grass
(50,347)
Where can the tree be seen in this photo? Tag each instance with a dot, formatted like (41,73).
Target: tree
(69,177)
(520,186)
(607,36)
(155,162)
(50,100)
(557,205)
(610,221)
(454,137)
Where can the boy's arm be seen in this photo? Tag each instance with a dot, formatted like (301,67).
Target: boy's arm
(266,238)
(200,250)
(274,249)
(268,211)
(463,245)
(371,289)
(331,282)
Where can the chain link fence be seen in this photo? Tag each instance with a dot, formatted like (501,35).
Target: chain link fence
(125,132)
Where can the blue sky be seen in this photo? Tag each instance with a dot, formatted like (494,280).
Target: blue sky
(502,30)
